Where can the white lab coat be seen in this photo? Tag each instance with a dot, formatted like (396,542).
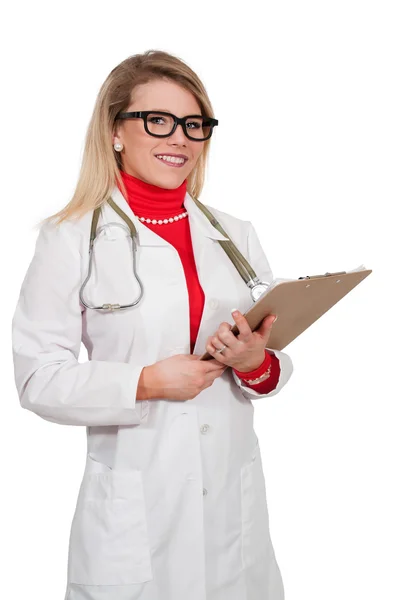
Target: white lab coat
(172,504)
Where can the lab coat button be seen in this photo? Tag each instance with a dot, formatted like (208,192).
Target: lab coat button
(213,303)
(204,491)
(204,428)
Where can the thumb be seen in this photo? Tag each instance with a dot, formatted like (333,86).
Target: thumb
(266,324)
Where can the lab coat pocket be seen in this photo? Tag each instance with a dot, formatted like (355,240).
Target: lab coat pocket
(109,540)
(256,541)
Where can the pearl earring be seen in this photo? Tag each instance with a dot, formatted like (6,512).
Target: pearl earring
(118,147)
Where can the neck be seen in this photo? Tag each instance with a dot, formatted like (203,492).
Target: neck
(148,200)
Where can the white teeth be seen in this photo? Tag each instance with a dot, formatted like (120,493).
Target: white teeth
(172,159)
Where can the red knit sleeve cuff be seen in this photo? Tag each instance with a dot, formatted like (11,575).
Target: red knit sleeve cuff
(257,372)
(268,385)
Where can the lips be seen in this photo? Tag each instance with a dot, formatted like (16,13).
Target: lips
(171,164)
(173,155)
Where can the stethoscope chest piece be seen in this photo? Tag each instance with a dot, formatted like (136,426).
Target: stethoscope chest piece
(258,289)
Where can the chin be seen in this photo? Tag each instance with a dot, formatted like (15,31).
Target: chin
(170,186)
(170,183)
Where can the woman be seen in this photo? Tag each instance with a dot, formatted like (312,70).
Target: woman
(172,504)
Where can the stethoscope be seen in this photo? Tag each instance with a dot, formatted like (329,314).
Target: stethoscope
(257,287)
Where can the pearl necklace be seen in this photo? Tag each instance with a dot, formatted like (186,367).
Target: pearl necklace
(163,221)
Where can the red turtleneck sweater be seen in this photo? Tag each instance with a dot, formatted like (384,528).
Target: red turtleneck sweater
(151,201)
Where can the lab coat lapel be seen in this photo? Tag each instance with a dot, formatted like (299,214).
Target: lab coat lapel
(204,238)
(204,241)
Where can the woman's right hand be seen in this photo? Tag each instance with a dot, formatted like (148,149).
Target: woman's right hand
(183,376)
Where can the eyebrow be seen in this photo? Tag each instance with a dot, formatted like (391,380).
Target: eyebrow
(169,111)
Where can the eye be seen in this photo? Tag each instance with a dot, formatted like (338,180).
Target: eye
(196,124)
(153,119)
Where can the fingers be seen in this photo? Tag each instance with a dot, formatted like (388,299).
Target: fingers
(225,336)
(266,325)
(214,365)
(241,322)
(209,365)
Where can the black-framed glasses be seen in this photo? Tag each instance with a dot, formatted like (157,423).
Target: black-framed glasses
(162,124)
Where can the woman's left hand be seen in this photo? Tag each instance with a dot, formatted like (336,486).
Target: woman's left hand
(244,352)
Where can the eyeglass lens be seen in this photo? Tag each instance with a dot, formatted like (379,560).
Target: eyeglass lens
(197,127)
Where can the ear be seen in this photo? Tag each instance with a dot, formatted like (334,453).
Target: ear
(116,135)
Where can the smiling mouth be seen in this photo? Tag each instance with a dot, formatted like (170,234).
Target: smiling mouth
(171,163)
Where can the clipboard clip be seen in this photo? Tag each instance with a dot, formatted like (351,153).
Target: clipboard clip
(325,275)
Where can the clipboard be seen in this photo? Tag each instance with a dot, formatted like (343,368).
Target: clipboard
(298,303)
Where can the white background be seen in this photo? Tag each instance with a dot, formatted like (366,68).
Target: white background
(306,148)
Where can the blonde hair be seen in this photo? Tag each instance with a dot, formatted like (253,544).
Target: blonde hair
(100,166)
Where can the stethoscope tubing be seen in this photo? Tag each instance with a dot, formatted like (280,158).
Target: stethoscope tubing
(244,268)
(110,306)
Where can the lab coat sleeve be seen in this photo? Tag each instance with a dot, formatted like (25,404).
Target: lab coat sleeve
(46,340)
(259,262)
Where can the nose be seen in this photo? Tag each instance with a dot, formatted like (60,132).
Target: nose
(178,137)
